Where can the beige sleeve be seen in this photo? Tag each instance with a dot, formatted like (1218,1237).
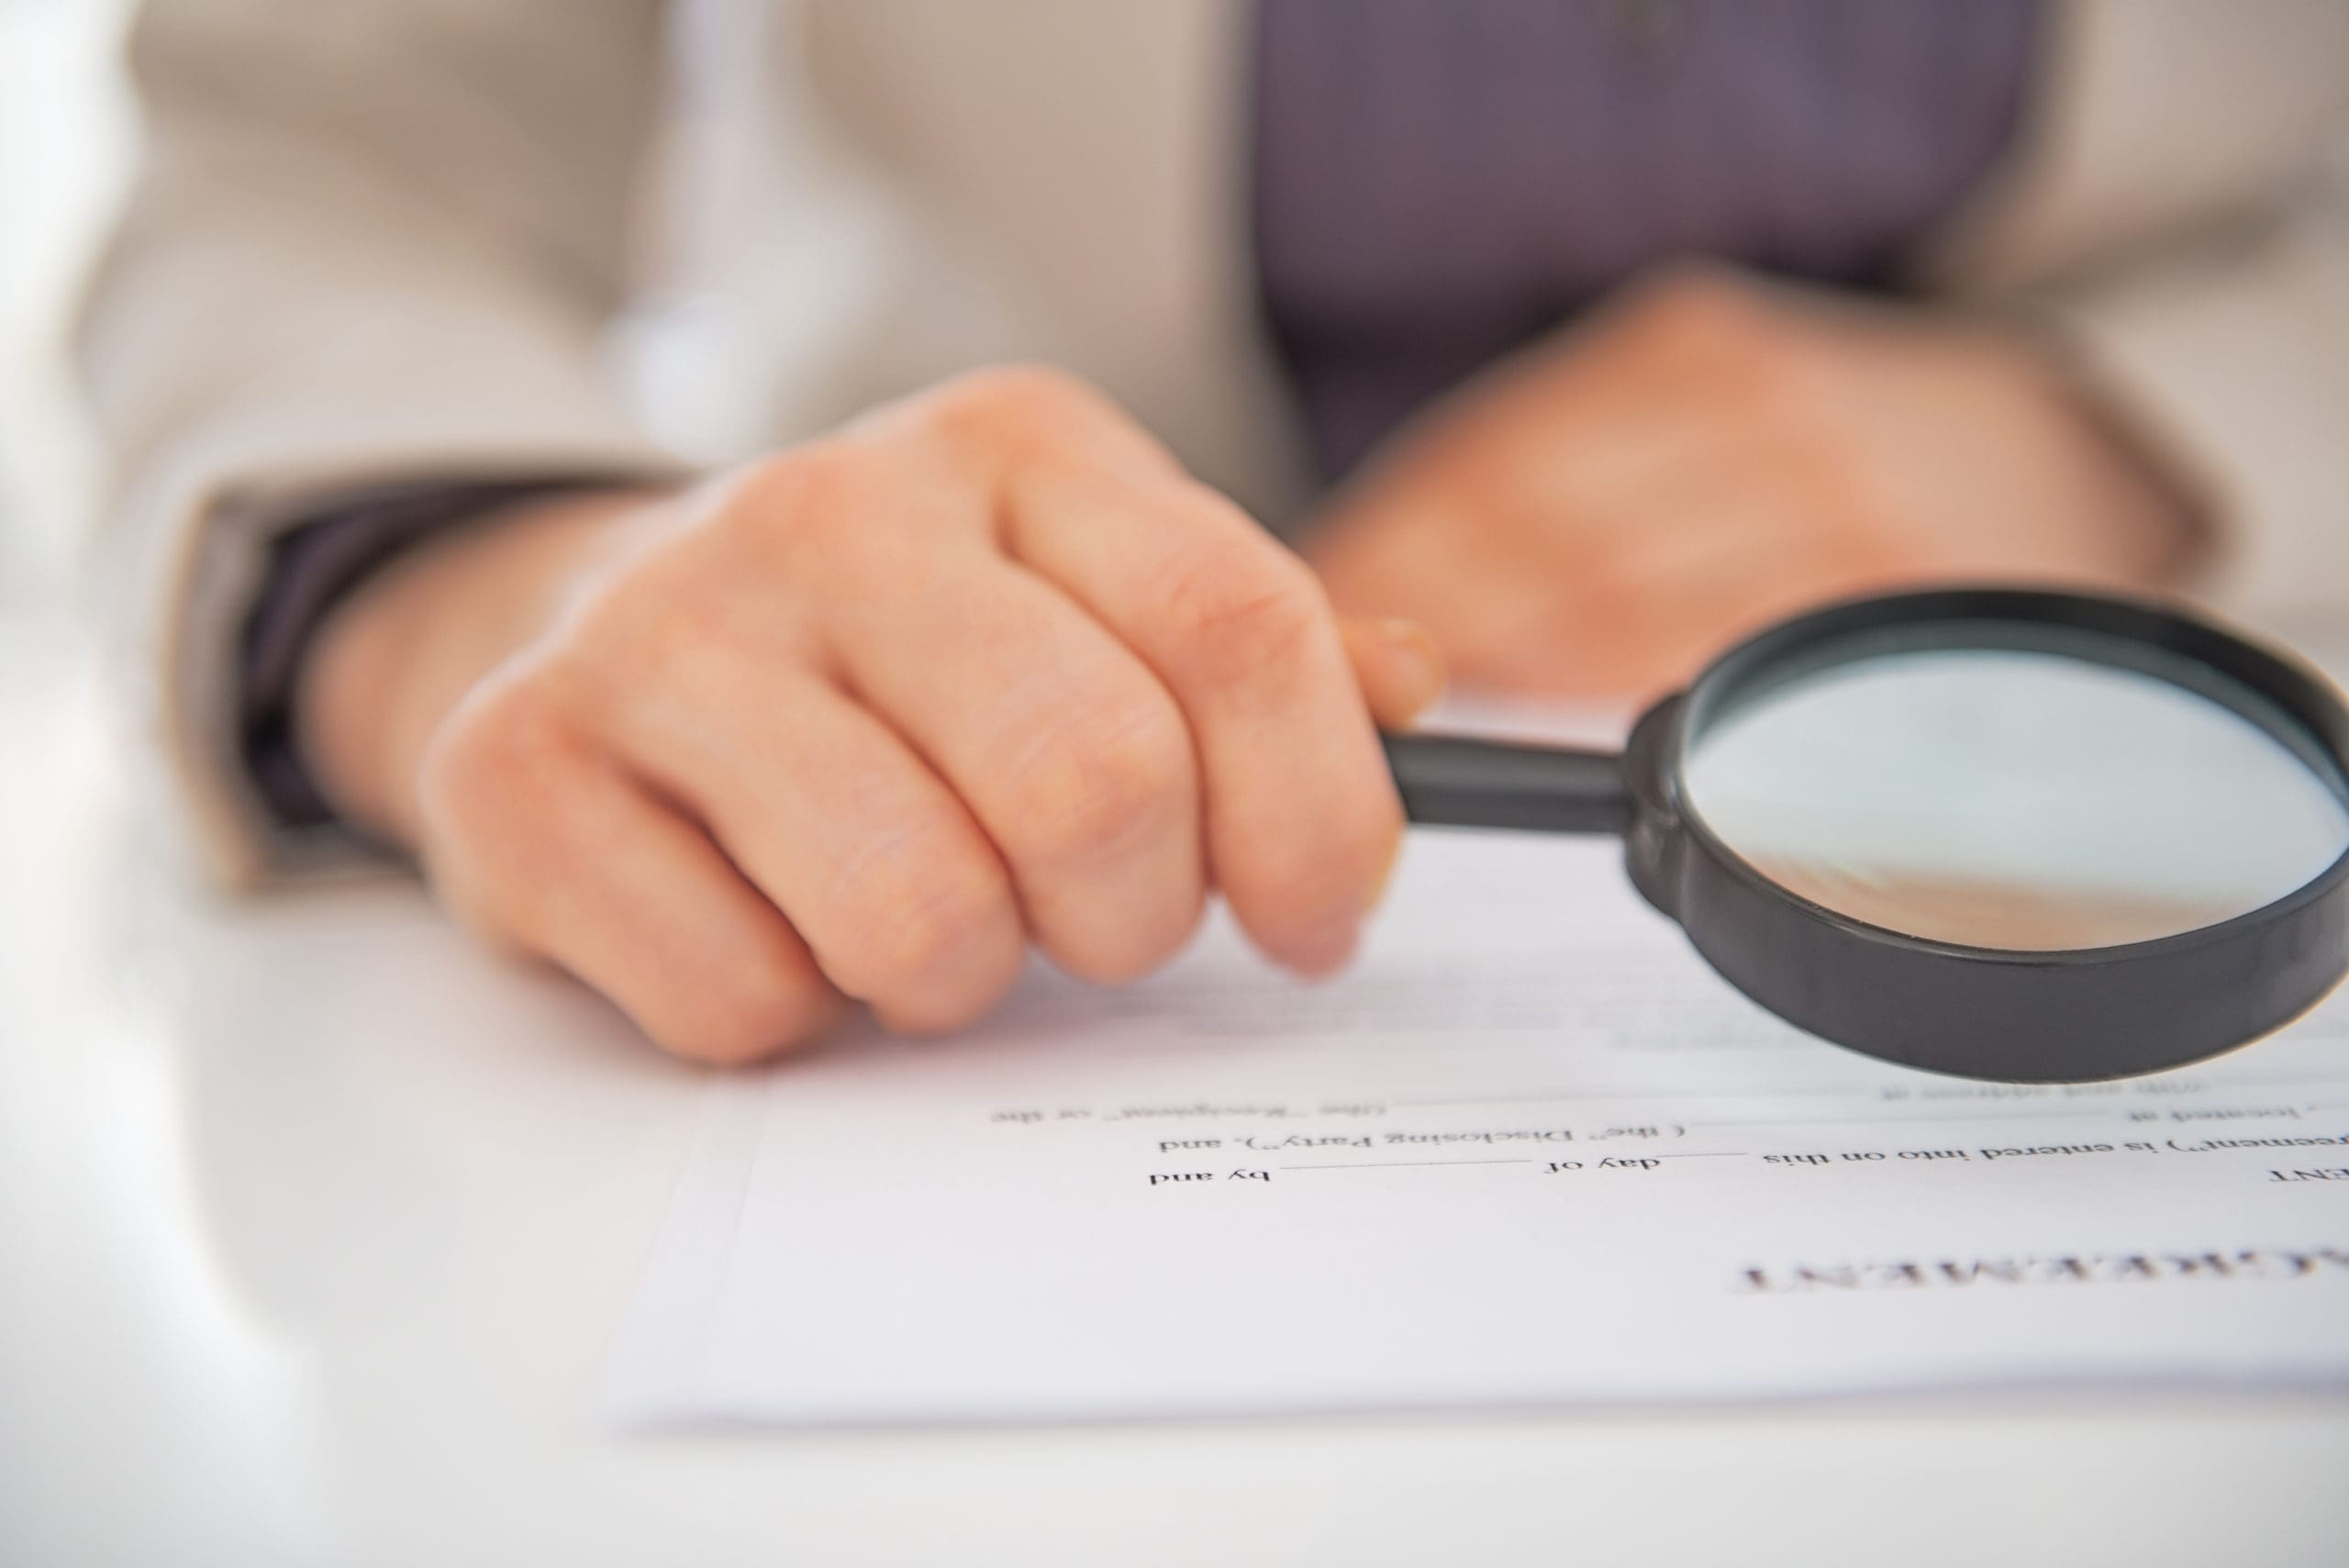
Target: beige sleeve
(2175,210)
(2233,355)
(369,241)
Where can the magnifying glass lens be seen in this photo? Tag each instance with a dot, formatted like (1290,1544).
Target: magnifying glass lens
(2015,799)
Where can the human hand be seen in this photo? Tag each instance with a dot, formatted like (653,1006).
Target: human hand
(1602,514)
(859,721)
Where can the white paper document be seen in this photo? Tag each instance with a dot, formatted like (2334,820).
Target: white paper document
(1528,1151)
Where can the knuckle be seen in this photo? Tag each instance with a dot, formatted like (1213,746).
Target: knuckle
(1014,415)
(810,496)
(1109,773)
(912,911)
(487,851)
(1703,307)
(818,498)
(1237,610)
(654,627)
(491,756)
(1020,397)
(661,651)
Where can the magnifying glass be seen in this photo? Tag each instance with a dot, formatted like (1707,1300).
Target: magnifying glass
(2029,836)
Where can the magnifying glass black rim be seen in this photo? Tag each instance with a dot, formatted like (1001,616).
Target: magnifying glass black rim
(2050,1016)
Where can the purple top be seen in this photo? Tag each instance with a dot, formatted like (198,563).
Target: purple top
(1436,183)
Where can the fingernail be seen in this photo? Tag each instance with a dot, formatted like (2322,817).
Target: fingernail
(1418,666)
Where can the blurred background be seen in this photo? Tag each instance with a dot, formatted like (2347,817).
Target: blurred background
(65,138)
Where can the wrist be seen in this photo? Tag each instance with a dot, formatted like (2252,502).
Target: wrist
(389,663)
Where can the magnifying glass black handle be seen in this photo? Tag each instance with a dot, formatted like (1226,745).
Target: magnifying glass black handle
(1455,782)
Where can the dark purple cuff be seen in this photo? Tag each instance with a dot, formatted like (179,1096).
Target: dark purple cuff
(312,567)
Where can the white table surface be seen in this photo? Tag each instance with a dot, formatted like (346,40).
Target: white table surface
(316,1227)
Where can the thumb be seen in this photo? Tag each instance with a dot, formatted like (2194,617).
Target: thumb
(1399,666)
